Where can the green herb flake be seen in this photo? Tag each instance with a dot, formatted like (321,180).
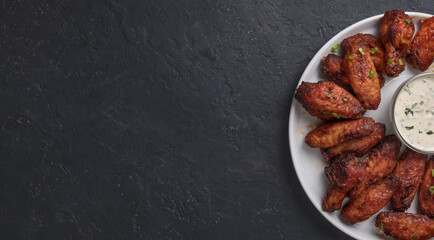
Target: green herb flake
(414,105)
(336,115)
(389,60)
(361,51)
(407,111)
(329,95)
(374,50)
(429,132)
(432,172)
(431,190)
(324,112)
(335,47)
(407,90)
(421,103)
(356,76)
(351,57)
(400,62)
(371,73)
(344,99)
(420,131)
(409,127)
(408,21)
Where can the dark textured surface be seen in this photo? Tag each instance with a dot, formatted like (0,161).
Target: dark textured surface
(158,119)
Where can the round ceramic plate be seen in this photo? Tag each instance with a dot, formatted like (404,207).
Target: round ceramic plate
(308,162)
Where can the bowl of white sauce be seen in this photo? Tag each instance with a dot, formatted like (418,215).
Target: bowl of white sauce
(412,113)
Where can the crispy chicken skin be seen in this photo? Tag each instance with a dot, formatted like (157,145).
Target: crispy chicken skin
(360,70)
(422,46)
(357,147)
(331,66)
(379,163)
(426,198)
(371,42)
(409,170)
(326,100)
(370,201)
(405,226)
(396,30)
(333,133)
(343,174)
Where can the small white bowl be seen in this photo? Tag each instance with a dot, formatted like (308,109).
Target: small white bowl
(392,114)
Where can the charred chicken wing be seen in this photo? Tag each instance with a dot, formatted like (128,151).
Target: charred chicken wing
(409,170)
(370,201)
(327,100)
(333,133)
(405,226)
(426,190)
(331,66)
(396,30)
(360,70)
(357,147)
(374,44)
(422,46)
(343,174)
(379,163)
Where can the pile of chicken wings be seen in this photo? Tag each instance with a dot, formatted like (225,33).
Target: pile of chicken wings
(353,87)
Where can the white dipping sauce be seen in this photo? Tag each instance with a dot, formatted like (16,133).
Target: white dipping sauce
(414,113)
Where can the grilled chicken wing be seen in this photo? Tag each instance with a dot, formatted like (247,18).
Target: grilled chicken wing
(331,66)
(422,46)
(374,44)
(405,226)
(327,100)
(357,147)
(333,133)
(360,70)
(409,170)
(379,163)
(343,174)
(426,191)
(370,201)
(396,30)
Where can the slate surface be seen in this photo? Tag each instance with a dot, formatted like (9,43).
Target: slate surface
(159,119)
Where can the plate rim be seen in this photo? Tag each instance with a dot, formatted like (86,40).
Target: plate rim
(293,103)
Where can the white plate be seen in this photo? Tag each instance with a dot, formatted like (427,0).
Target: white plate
(308,162)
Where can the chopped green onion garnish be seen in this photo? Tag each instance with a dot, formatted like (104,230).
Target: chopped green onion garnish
(335,47)
(408,21)
(407,111)
(344,99)
(429,132)
(409,128)
(421,102)
(414,105)
(420,131)
(336,115)
(356,76)
(324,112)
(381,226)
(389,60)
(351,57)
(371,74)
(407,90)
(431,190)
(361,51)
(415,236)
(432,172)
(374,50)
(400,62)
(329,95)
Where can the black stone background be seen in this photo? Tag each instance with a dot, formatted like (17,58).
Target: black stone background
(159,119)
